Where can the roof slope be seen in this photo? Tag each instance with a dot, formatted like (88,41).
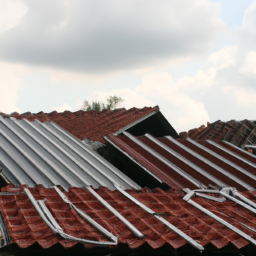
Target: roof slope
(44,153)
(93,124)
(26,227)
(239,133)
(190,164)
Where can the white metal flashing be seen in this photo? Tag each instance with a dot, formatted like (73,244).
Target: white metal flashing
(228,161)
(233,154)
(86,217)
(49,220)
(242,150)
(218,168)
(134,123)
(111,168)
(134,230)
(165,161)
(185,160)
(246,200)
(165,222)
(134,160)
(188,199)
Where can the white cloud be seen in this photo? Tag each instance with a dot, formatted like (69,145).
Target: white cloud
(63,108)
(249,66)
(11,12)
(10,83)
(159,88)
(249,20)
(223,58)
(105,36)
(243,97)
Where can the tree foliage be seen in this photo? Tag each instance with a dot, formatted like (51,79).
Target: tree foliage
(113,102)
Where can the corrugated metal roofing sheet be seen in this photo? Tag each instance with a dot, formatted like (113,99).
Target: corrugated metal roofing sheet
(26,227)
(90,124)
(44,153)
(191,164)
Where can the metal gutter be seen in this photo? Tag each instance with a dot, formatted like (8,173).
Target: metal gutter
(134,123)
(86,217)
(212,215)
(221,170)
(165,161)
(47,217)
(165,222)
(233,154)
(185,160)
(134,230)
(134,160)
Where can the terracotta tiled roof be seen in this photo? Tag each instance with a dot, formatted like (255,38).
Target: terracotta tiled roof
(93,124)
(26,227)
(239,133)
(184,163)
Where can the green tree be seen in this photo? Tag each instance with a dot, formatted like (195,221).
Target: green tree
(113,102)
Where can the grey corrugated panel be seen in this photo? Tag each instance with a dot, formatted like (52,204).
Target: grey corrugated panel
(30,157)
(9,175)
(56,151)
(40,153)
(93,158)
(9,166)
(17,163)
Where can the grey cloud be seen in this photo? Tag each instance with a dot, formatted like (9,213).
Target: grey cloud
(102,36)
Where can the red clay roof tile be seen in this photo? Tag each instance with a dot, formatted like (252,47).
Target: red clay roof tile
(93,124)
(26,227)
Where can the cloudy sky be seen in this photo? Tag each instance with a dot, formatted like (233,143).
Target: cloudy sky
(196,59)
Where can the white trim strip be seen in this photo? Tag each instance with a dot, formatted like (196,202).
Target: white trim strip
(134,160)
(223,222)
(242,150)
(47,217)
(233,154)
(185,160)
(246,200)
(86,217)
(134,123)
(238,202)
(134,230)
(165,161)
(119,174)
(218,168)
(229,162)
(165,222)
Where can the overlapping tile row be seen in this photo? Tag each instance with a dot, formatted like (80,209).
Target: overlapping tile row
(239,133)
(43,153)
(93,124)
(26,227)
(185,163)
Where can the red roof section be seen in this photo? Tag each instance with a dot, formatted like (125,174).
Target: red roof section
(239,133)
(90,124)
(176,180)
(26,227)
